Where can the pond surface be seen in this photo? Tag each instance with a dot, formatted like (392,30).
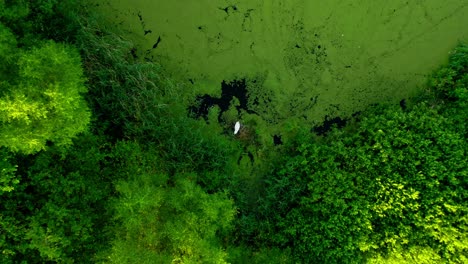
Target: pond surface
(296,59)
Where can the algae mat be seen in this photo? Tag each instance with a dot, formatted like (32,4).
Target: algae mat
(303,60)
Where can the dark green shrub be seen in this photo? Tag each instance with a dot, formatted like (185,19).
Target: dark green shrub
(451,82)
(58,211)
(33,21)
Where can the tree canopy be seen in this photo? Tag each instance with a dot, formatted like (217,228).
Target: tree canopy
(178,224)
(43,100)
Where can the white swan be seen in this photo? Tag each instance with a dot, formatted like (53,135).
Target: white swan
(236,127)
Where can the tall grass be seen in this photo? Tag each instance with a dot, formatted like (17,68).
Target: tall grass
(132,99)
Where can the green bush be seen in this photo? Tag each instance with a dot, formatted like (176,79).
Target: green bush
(33,21)
(169,220)
(451,82)
(392,190)
(41,99)
(58,212)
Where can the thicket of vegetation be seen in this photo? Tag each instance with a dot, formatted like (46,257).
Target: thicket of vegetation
(393,187)
(100,162)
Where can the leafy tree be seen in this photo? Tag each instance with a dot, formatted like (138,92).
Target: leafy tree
(166,220)
(42,216)
(58,212)
(44,100)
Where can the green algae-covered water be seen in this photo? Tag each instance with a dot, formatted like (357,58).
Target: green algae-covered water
(296,59)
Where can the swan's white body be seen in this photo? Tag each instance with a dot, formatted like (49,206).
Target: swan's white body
(236,127)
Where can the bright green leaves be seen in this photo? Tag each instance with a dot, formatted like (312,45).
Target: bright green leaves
(49,65)
(41,94)
(163,223)
(163,219)
(44,101)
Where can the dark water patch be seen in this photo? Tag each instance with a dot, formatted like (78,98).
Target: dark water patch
(229,90)
(115,131)
(251,157)
(403,104)
(157,42)
(328,124)
(133,52)
(277,140)
(142,22)
(238,89)
(203,105)
(227,9)
(356,115)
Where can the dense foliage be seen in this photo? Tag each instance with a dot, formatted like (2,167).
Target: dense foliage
(393,188)
(58,205)
(169,221)
(41,97)
(58,211)
(100,163)
(43,102)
